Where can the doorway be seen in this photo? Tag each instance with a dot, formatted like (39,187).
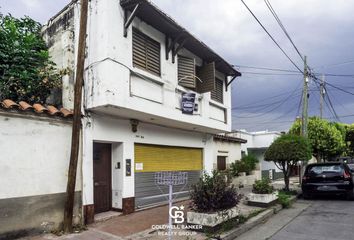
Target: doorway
(102,177)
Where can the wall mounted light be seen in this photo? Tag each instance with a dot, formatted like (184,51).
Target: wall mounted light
(134,123)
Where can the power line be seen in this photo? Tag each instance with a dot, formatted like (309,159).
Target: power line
(276,43)
(261,100)
(335,64)
(275,15)
(326,100)
(276,107)
(338,88)
(335,75)
(262,107)
(266,68)
(272,74)
(288,70)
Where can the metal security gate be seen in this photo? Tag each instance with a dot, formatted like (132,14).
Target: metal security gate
(150,159)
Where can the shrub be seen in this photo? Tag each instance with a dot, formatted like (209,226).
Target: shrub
(236,167)
(284,199)
(250,161)
(247,164)
(26,71)
(262,187)
(213,193)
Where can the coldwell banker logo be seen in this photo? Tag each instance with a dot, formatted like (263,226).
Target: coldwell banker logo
(177,214)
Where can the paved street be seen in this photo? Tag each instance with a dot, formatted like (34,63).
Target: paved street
(317,219)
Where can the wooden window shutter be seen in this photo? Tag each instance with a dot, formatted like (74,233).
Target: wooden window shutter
(146,53)
(186,72)
(218,93)
(207,76)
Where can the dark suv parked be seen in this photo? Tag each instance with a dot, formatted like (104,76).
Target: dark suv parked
(334,177)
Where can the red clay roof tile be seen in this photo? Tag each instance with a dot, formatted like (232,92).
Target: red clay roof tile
(66,112)
(52,110)
(39,108)
(23,106)
(7,103)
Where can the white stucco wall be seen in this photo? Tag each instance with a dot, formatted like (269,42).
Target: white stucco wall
(231,150)
(258,141)
(110,81)
(35,154)
(118,132)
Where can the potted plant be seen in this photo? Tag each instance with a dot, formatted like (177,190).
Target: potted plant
(214,200)
(263,194)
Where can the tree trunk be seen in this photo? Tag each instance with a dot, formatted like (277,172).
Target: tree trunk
(286,181)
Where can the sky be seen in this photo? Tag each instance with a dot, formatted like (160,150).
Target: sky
(321,29)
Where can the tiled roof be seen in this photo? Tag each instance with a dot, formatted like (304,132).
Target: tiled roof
(229,138)
(37,108)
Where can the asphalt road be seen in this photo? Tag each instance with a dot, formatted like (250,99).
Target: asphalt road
(319,219)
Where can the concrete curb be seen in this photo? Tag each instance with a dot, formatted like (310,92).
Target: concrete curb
(254,221)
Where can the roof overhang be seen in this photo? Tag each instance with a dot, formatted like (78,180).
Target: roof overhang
(222,138)
(155,17)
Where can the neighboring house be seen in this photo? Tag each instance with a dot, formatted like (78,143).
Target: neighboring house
(139,65)
(227,150)
(257,144)
(35,151)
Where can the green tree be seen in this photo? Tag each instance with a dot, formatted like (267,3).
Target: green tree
(325,139)
(26,72)
(349,138)
(286,151)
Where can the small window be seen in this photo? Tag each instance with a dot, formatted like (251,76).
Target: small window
(218,93)
(186,72)
(200,79)
(221,163)
(146,53)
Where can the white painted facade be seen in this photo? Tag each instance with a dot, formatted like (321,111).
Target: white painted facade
(115,91)
(258,142)
(118,132)
(34,162)
(35,153)
(228,149)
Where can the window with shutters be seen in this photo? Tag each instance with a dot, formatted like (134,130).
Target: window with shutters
(186,72)
(146,53)
(200,79)
(218,93)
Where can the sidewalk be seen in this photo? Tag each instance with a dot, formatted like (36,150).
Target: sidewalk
(276,223)
(138,225)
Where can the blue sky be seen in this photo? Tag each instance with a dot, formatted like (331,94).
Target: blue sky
(321,29)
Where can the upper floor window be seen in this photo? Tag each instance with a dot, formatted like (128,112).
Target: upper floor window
(146,53)
(218,93)
(200,79)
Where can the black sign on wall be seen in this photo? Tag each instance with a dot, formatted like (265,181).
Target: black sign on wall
(188,103)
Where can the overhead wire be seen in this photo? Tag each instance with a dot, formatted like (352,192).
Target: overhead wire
(266,68)
(275,15)
(274,108)
(276,43)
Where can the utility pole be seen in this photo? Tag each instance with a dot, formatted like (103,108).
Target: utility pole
(305,101)
(75,137)
(304,119)
(322,93)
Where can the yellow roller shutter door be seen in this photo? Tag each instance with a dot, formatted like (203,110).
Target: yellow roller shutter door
(154,158)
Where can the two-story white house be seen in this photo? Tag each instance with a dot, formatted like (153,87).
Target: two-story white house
(257,144)
(154,96)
